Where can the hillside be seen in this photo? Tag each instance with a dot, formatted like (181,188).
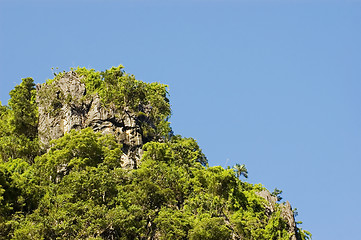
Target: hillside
(91,155)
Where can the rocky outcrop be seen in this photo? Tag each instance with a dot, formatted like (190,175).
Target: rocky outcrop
(287,214)
(64,105)
(286,211)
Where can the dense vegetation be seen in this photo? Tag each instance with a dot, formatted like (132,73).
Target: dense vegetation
(173,194)
(121,91)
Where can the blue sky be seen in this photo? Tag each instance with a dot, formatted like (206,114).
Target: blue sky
(272,84)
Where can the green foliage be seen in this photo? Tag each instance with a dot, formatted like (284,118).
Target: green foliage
(19,122)
(77,189)
(183,151)
(148,102)
(12,146)
(173,224)
(24,119)
(91,78)
(303,234)
(4,120)
(277,193)
(77,183)
(119,90)
(210,228)
(240,170)
(75,152)
(277,228)
(17,193)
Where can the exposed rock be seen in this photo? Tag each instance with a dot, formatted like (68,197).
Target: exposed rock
(270,208)
(64,105)
(286,211)
(287,214)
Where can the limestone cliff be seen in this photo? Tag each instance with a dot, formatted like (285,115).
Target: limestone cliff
(63,106)
(286,211)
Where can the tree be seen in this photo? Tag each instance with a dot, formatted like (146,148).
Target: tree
(24,120)
(210,228)
(18,123)
(240,170)
(277,193)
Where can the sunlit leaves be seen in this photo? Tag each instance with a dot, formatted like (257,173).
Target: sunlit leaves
(76,151)
(78,189)
(24,117)
(119,90)
(18,123)
(210,228)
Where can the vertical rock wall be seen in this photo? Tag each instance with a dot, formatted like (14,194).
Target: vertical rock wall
(63,106)
(286,211)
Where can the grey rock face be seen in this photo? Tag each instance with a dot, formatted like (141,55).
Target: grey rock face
(286,211)
(287,214)
(63,107)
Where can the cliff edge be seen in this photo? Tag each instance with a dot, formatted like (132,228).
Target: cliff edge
(64,105)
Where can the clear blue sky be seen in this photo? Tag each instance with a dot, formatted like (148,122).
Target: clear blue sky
(272,84)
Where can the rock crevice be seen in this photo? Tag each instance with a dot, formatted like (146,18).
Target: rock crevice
(64,105)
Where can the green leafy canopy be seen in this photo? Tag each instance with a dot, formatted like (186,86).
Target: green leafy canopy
(77,189)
